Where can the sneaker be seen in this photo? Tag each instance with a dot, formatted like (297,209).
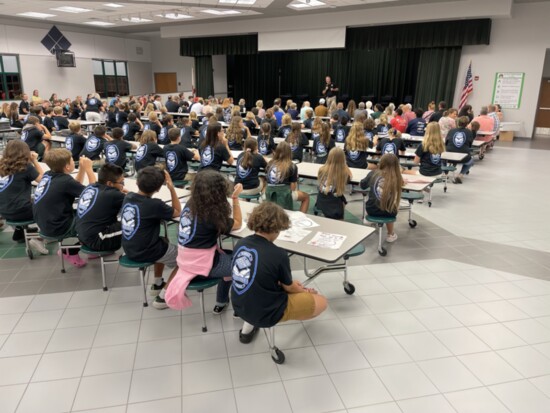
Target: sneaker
(457,180)
(38,245)
(235,316)
(218,309)
(155,289)
(247,338)
(75,260)
(159,303)
(391,238)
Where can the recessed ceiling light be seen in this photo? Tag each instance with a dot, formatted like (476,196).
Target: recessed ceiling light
(36,15)
(69,9)
(174,16)
(135,20)
(221,12)
(99,23)
(113,5)
(304,4)
(242,2)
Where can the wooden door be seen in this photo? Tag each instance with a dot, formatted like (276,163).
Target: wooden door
(543,108)
(166,83)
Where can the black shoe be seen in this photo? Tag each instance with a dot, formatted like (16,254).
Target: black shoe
(457,180)
(18,235)
(159,303)
(218,309)
(247,338)
(155,289)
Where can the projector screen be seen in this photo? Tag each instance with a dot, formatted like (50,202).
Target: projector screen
(333,38)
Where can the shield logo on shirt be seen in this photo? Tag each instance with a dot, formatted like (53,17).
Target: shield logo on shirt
(171,160)
(117,117)
(69,143)
(207,156)
(92,144)
(56,124)
(92,102)
(24,135)
(389,148)
(186,228)
(86,201)
(141,152)
(459,138)
(130,221)
(243,269)
(286,132)
(273,175)
(111,153)
(340,135)
(263,147)
(243,172)
(353,155)
(147,127)
(5,181)
(42,188)
(379,188)
(369,135)
(125,128)
(314,136)
(435,158)
(321,149)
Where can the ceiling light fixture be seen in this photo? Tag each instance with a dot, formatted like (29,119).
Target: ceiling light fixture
(174,16)
(99,23)
(113,5)
(221,12)
(135,20)
(69,9)
(36,15)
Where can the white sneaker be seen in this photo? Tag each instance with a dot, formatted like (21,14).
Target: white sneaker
(391,238)
(38,245)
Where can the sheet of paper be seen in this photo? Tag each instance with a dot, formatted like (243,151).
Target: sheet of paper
(300,220)
(327,240)
(293,235)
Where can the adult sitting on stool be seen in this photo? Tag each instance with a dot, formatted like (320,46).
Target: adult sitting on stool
(263,292)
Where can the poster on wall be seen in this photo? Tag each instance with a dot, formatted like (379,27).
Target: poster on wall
(508,89)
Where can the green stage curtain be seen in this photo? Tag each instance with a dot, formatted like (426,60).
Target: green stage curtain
(420,35)
(437,72)
(204,75)
(226,45)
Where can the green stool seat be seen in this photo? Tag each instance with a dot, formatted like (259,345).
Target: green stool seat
(142,267)
(89,251)
(19,223)
(448,168)
(356,251)
(380,220)
(412,196)
(180,183)
(48,238)
(249,197)
(128,263)
(198,284)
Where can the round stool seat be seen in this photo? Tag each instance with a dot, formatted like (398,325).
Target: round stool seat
(412,196)
(355,251)
(89,251)
(128,263)
(380,220)
(19,223)
(247,196)
(180,183)
(202,283)
(49,238)
(448,168)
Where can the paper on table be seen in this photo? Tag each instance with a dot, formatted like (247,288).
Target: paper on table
(300,220)
(293,235)
(327,240)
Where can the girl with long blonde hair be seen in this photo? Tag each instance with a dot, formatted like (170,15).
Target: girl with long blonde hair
(333,177)
(237,133)
(385,187)
(428,153)
(356,147)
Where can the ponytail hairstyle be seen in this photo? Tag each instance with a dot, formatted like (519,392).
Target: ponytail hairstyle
(317,124)
(234,132)
(433,143)
(390,170)
(294,137)
(266,129)
(334,174)
(282,159)
(356,140)
(250,148)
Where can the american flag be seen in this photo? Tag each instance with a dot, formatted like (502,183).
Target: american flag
(468,87)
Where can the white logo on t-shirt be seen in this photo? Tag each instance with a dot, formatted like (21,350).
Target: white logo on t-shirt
(459,139)
(389,148)
(141,152)
(5,181)
(42,188)
(243,271)
(112,153)
(86,201)
(92,143)
(187,227)
(171,160)
(130,221)
(207,156)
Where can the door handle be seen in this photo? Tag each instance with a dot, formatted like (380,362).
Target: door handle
(544,108)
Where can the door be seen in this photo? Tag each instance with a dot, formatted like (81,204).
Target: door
(543,109)
(166,82)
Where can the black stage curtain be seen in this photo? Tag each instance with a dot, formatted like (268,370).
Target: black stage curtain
(437,72)
(226,45)
(204,75)
(358,73)
(420,35)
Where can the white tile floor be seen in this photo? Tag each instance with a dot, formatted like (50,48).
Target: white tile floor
(412,343)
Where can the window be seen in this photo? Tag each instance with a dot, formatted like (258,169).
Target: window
(110,78)
(10,78)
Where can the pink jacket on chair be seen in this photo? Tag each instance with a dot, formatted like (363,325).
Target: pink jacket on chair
(191,262)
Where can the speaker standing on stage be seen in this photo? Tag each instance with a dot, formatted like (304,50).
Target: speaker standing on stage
(330,91)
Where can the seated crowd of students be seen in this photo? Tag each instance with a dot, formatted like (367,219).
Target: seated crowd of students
(207,213)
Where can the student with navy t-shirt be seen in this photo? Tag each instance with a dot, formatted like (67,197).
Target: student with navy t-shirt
(214,149)
(249,164)
(154,123)
(116,149)
(391,144)
(177,156)
(189,136)
(460,140)
(60,122)
(141,217)
(149,151)
(54,197)
(322,144)
(97,224)
(266,143)
(417,126)
(263,291)
(132,127)
(75,141)
(36,136)
(297,141)
(19,168)
(94,145)
(341,130)
(93,105)
(356,147)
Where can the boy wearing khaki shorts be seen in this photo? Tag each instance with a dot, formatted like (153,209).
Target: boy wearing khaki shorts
(263,292)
